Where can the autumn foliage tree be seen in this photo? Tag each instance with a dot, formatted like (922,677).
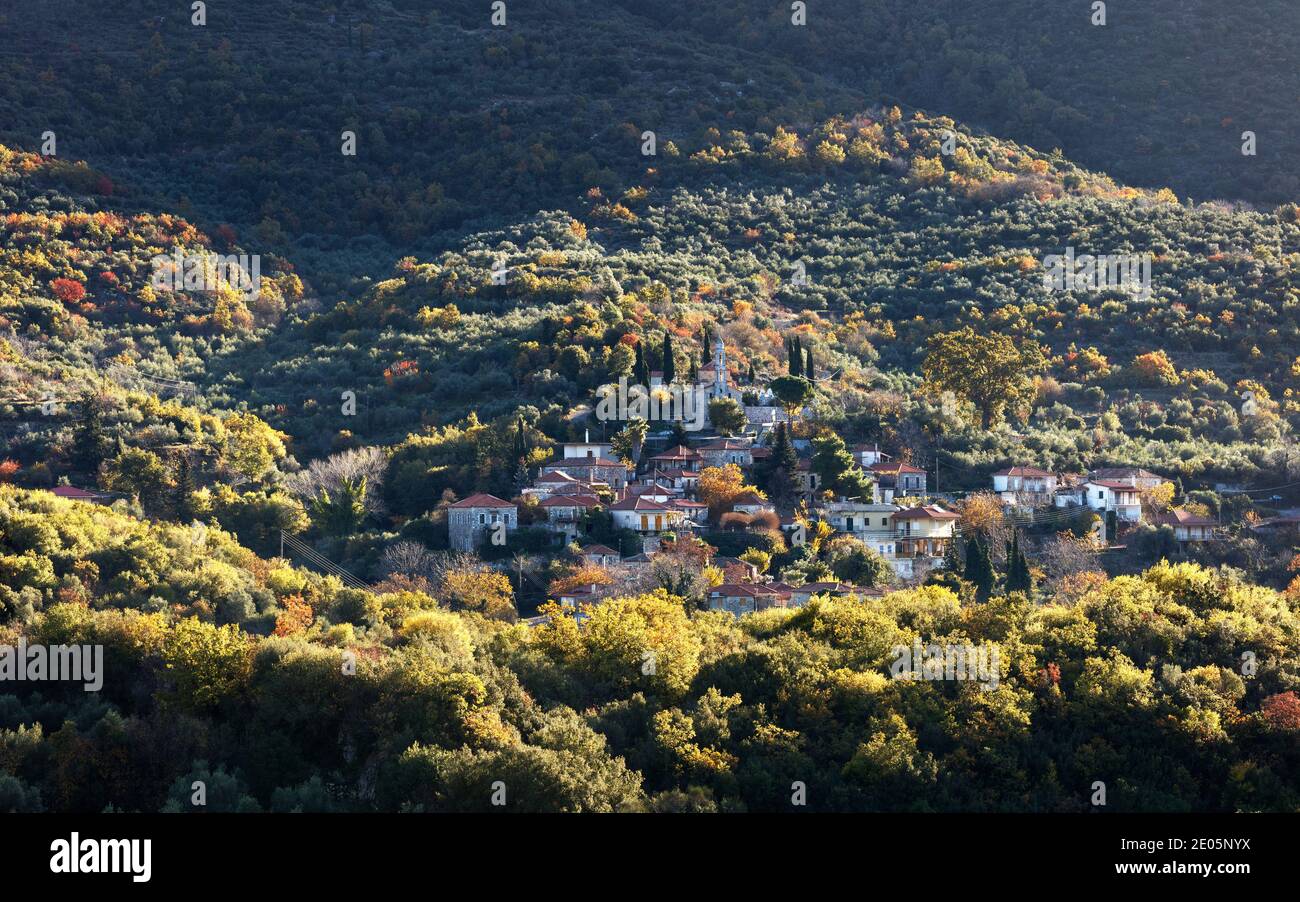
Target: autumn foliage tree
(992,371)
(720,486)
(479,589)
(70,291)
(1154,368)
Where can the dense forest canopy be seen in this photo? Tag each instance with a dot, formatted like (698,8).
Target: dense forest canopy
(223,667)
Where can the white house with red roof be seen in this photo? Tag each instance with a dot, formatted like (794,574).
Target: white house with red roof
(656,490)
(921,538)
(645,515)
(1122,497)
(475,519)
(898,479)
(1025,486)
(1187,526)
(867,521)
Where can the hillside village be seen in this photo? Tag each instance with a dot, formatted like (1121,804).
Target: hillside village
(653,502)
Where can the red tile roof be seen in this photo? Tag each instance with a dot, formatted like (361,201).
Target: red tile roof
(651,489)
(1180,517)
(482,499)
(677,452)
(598,549)
(1022,471)
(743,590)
(571,501)
(637,503)
(1113,484)
(71,491)
(1123,473)
(883,467)
(582,463)
(925,512)
(555,476)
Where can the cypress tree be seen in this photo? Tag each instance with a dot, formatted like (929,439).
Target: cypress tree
(679,435)
(986,574)
(521,439)
(808,365)
(796,357)
(1026,575)
(670,365)
(972,552)
(1019,577)
(182,501)
(90,444)
(979,568)
(776,476)
(952,557)
(642,370)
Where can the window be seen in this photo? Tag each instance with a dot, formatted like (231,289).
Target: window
(482,518)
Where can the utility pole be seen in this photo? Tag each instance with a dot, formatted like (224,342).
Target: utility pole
(937,448)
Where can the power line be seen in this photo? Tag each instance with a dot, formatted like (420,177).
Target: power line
(319,560)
